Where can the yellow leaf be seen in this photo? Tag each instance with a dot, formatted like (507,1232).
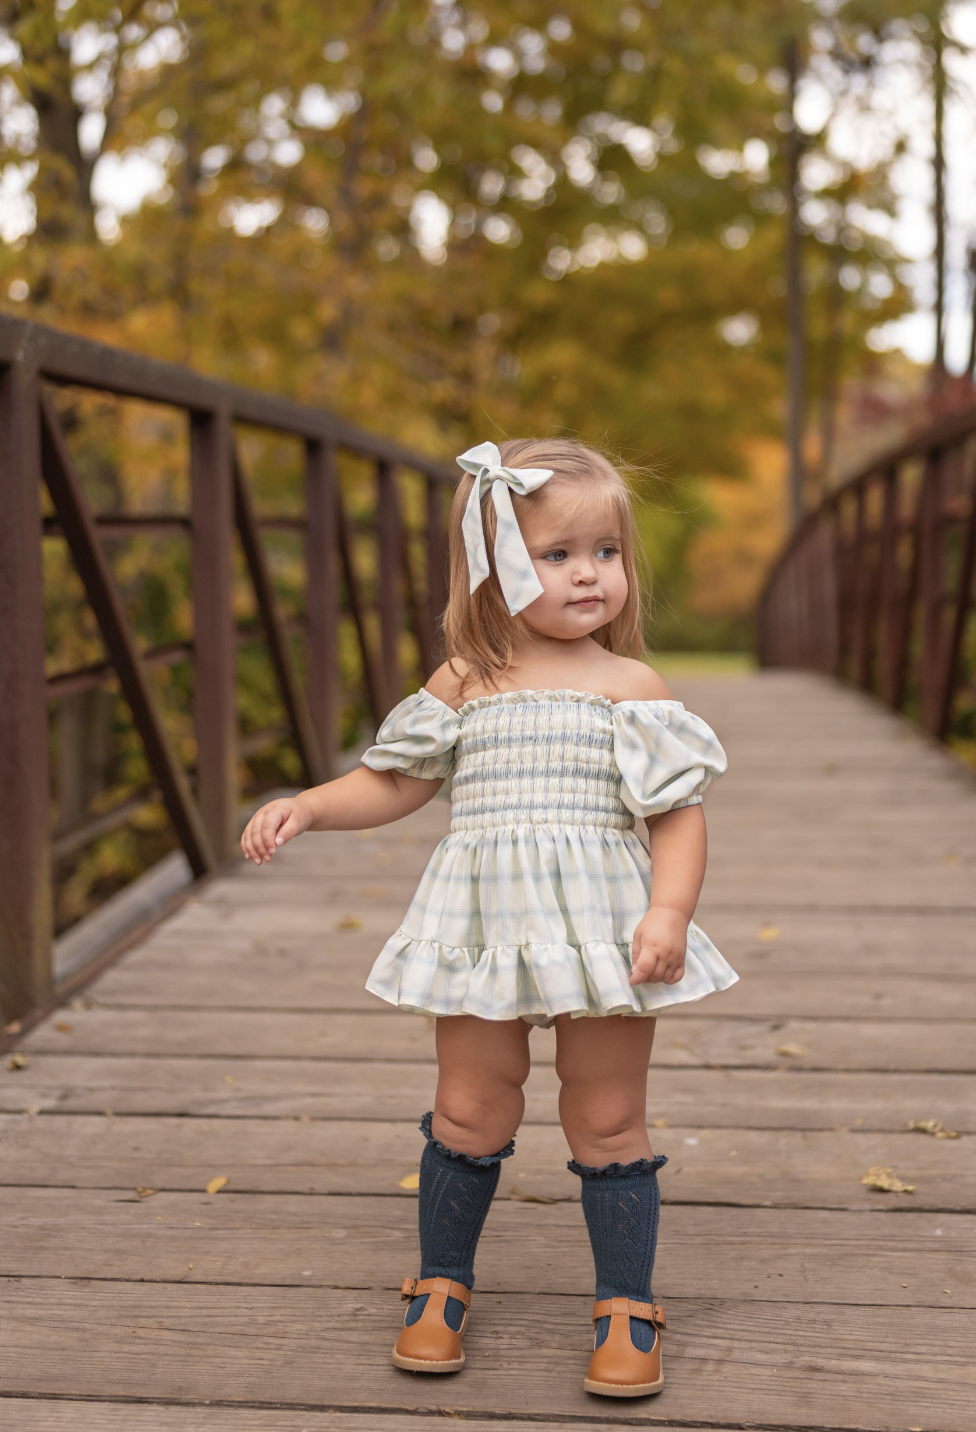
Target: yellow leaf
(885,1181)
(349,922)
(412,1180)
(935,1127)
(63,1027)
(522,1197)
(793,1051)
(216,1184)
(18,1061)
(145,1192)
(768,932)
(659,1123)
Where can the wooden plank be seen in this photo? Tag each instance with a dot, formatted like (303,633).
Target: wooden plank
(70,1415)
(337,1089)
(776,1364)
(757,1167)
(334,977)
(26,972)
(748,1254)
(682,1041)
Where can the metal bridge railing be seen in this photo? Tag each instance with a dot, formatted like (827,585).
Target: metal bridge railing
(409,591)
(876,584)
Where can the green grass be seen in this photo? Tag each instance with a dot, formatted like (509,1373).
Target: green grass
(702,663)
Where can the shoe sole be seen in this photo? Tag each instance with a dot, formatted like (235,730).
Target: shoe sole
(417,1364)
(614,1389)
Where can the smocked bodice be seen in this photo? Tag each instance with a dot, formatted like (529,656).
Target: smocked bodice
(545,760)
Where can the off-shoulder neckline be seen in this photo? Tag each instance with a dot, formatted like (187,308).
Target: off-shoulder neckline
(557,696)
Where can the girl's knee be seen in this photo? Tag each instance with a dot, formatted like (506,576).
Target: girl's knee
(602,1122)
(471,1124)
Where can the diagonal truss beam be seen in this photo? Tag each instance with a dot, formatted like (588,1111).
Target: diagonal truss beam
(81,535)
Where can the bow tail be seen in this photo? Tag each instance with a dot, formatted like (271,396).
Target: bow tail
(516,574)
(473,531)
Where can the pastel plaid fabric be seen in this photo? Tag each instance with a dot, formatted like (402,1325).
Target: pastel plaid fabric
(516,574)
(527,909)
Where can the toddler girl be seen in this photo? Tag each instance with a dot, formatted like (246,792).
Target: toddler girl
(538,908)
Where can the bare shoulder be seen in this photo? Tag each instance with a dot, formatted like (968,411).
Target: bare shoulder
(446,683)
(636,681)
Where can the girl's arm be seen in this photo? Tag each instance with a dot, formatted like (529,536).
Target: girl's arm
(359,801)
(678,848)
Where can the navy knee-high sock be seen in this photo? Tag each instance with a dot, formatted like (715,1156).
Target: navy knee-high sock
(621,1204)
(456,1191)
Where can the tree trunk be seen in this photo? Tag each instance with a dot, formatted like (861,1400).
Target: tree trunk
(796,354)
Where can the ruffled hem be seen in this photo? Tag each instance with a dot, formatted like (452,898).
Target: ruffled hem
(480,1161)
(536,981)
(618,1170)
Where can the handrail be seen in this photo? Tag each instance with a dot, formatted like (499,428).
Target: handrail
(202,803)
(875,586)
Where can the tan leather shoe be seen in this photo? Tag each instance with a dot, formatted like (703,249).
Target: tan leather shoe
(617,1368)
(429,1345)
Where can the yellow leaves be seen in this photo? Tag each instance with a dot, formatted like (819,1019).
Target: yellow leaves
(521,1196)
(349,922)
(793,1051)
(659,1123)
(145,1192)
(18,1061)
(768,932)
(935,1127)
(216,1184)
(63,1027)
(885,1181)
(412,1180)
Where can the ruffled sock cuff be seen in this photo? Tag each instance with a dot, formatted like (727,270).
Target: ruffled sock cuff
(485,1161)
(618,1170)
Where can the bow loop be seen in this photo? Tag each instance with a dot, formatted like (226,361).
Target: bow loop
(516,574)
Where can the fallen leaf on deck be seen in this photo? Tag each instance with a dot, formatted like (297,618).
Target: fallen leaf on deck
(216,1184)
(412,1180)
(793,1051)
(522,1197)
(768,932)
(659,1123)
(18,1061)
(349,922)
(935,1127)
(885,1181)
(145,1192)
(63,1027)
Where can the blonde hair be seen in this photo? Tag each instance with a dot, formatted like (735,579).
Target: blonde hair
(478,627)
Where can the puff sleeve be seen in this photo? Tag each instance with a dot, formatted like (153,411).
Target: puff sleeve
(666,755)
(417,739)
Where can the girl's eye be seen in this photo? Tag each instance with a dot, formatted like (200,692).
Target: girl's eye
(559,555)
(608,552)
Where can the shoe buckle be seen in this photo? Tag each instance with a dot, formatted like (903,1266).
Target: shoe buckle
(658,1320)
(408,1290)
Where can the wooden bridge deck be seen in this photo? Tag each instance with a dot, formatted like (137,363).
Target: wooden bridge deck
(237,1041)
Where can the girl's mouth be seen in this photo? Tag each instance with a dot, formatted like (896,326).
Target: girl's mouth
(587,602)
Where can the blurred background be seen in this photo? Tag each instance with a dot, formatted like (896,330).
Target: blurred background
(732,242)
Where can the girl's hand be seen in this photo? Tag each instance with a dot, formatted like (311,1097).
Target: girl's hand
(660,942)
(273,825)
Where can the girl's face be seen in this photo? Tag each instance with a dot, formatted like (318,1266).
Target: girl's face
(579,562)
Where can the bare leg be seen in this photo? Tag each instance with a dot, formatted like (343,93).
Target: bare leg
(602,1068)
(481,1067)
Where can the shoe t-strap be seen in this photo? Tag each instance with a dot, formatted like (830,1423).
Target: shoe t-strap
(647,1312)
(417,1287)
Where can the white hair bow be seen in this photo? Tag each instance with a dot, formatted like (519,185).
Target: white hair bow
(516,574)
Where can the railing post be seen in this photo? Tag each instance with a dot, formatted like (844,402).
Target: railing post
(322,598)
(888,585)
(931,590)
(388,580)
(962,608)
(214,701)
(25,843)
(436,561)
